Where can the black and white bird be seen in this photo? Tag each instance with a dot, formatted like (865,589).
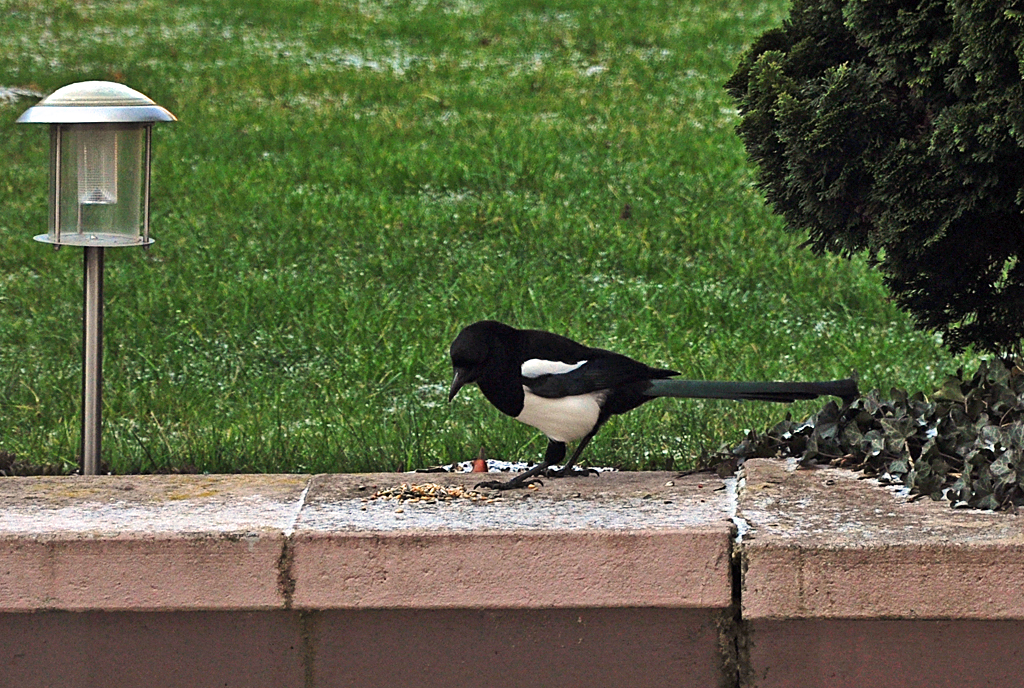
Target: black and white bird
(568,390)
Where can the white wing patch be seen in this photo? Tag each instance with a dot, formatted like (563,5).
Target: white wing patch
(536,367)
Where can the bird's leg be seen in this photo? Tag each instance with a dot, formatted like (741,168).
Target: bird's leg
(567,470)
(554,454)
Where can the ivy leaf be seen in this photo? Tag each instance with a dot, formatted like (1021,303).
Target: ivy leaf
(873,443)
(1015,435)
(899,428)
(950,390)
(990,437)
(898,467)
(851,436)
(1004,467)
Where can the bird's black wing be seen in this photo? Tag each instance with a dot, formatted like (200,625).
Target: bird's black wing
(604,371)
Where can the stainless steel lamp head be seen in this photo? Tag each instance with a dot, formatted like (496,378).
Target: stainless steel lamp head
(100,151)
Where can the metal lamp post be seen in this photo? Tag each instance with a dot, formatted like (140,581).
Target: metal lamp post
(100,152)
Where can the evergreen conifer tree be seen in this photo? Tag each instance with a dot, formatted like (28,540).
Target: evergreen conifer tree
(897,128)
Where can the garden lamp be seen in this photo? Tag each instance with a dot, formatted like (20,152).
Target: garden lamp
(100,134)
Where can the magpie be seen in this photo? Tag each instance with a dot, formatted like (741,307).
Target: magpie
(568,390)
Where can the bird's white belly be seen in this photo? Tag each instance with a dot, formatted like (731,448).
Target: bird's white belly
(564,420)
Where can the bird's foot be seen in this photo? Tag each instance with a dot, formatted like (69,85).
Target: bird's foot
(573,472)
(512,484)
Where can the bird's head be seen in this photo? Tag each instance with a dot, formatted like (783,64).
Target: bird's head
(475,351)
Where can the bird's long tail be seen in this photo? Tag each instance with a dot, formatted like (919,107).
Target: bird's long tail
(785,392)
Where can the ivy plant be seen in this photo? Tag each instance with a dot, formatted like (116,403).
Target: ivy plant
(963,443)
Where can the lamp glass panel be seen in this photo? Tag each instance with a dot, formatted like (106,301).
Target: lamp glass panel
(100,170)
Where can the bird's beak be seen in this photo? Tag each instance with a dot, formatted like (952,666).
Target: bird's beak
(460,379)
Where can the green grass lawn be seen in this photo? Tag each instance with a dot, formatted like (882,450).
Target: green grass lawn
(351,183)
